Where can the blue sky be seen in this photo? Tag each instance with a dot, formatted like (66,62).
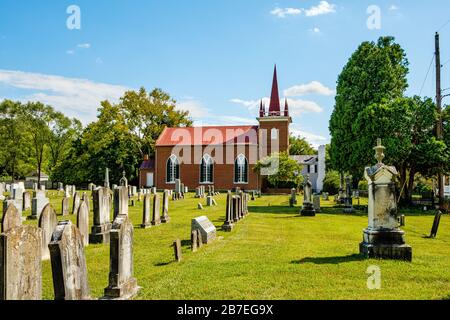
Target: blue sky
(215,57)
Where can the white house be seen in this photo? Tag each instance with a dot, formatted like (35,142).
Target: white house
(314,166)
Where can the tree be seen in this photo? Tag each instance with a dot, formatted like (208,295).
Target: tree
(299,146)
(375,72)
(13,129)
(38,118)
(287,173)
(406,126)
(122,134)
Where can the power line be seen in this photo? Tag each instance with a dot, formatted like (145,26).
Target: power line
(444,25)
(426,77)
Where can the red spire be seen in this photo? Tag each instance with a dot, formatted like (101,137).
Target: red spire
(262,110)
(274,108)
(286,108)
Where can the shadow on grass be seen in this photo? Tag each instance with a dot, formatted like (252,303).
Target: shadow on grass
(331,260)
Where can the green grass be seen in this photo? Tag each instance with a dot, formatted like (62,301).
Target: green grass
(273,254)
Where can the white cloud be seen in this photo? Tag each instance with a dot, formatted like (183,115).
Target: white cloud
(84,45)
(324,7)
(195,108)
(70,52)
(314,87)
(283,12)
(393,8)
(314,139)
(79,98)
(98,61)
(315,30)
(298,107)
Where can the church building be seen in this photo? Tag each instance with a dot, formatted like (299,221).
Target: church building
(222,156)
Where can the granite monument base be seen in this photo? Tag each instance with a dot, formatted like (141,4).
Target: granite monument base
(308,210)
(385,244)
(100,234)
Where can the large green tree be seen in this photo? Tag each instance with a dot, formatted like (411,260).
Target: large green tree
(374,73)
(299,146)
(283,171)
(407,128)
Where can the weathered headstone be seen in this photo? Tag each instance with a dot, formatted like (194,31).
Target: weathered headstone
(11,218)
(209,201)
(124,181)
(146,223)
(106,182)
(206,228)
(65,206)
(70,278)
(199,206)
(165,209)
(26,204)
(348,201)
(228,225)
(76,203)
(20,264)
(85,198)
(156,214)
(177,250)
(382,238)
(308,206)
(120,201)
(293,198)
(38,203)
(199,238)
(436,222)
(194,241)
(316,203)
(102,211)
(83,222)
(47,222)
(122,284)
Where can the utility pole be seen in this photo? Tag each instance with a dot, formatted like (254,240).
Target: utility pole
(439,125)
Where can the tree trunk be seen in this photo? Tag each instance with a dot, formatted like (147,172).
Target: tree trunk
(410,188)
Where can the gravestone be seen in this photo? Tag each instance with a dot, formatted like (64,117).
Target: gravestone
(156,216)
(177,186)
(383,238)
(308,206)
(65,206)
(316,203)
(83,223)
(194,241)
(68,194)
(436,222)
(293,198)
(85,198)
(102,212)
(199,206)
(401,220)
(199,238)
(47,222)
(124,181)
(205,227)
(37,204)
(122,284)
(209,201)
(228,225)
(11,218)
(17,195)
(235,208)
(70,278)
(165,210)
(26,204)
(106,182)
(146,223)
(76,203)
(177,250)
(348,201)
(120,201)
(20,264)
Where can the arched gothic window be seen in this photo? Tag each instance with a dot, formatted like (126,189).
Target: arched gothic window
(207,170)
(173,169)
(241,169)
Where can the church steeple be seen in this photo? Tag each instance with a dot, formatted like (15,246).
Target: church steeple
(262,110)
(286,108)
(274,107)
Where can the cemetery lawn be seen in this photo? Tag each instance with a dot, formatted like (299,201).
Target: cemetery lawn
(272,254)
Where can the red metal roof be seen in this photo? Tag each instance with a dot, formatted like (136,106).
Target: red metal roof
(214,135)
